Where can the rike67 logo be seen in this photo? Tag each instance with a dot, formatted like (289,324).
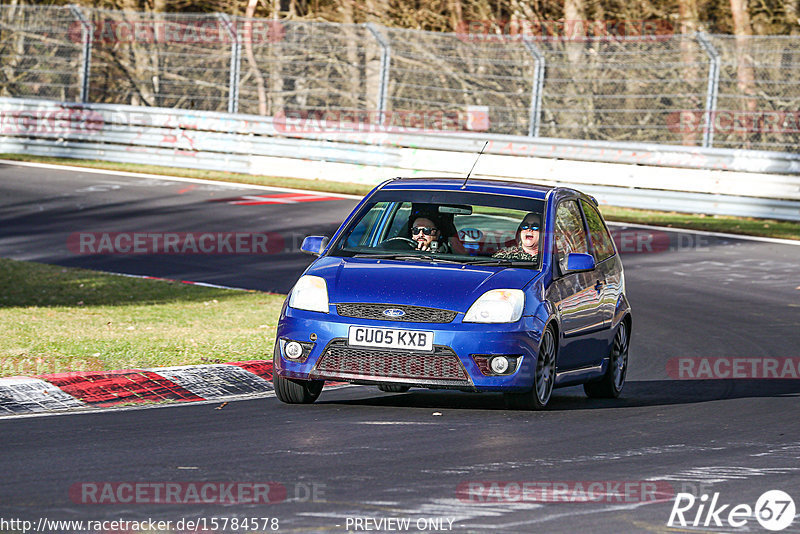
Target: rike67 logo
(774,510)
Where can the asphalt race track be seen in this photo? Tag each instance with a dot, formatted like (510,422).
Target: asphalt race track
(361,454)
(41,209)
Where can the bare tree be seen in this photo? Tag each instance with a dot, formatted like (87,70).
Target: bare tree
(574,20)
(251,57)
(144,73)
(742,29)
(791,12)
(689,24)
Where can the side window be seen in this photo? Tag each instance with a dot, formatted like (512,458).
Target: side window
(362,233)
(570,235)
(399,224)
(602,245)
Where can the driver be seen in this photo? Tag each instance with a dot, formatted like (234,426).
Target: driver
(427,235)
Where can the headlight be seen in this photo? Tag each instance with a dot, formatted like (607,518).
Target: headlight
(497,306)
(310,293)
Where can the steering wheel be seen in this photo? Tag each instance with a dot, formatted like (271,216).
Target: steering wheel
(396,243)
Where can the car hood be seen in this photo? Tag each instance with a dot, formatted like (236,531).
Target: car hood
(444,286)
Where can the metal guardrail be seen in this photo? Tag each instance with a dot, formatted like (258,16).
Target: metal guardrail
(717,181)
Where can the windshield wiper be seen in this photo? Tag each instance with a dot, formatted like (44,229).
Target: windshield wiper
(501,261)
(382,256)
(439,258)
(406,256)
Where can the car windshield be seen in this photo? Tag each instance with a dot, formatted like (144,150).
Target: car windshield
(446,226)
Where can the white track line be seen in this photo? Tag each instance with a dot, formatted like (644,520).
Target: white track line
(112,172)
(712,234)
(188,282)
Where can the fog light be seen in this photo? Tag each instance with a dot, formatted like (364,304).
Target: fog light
(499,364)
(294,350)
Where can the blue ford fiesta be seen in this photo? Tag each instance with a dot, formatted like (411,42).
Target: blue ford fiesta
(476,286)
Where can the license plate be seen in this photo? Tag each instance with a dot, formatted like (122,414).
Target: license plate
(392,338)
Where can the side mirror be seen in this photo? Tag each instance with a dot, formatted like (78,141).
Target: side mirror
(579,262)
(314,244)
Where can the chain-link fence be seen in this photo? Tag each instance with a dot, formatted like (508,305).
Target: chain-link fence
(446,71)
(40,52)
(164,60)
(306,66)
(692,90)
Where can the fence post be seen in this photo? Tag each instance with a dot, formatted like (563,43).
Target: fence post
(386,51)
(713,87)
(536,90)
(86,55)
(236,61)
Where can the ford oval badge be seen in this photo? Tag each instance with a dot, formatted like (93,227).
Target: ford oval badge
(393,312)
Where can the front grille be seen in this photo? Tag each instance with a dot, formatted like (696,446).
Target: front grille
(342,361)
(412,314)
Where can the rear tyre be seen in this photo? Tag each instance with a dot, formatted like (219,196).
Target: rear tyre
(393,388)
(610,386)
(543,378)
(293,391)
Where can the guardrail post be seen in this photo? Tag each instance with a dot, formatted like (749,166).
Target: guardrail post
(236,62)
(86,54)
(713,87)
(386,51)
(536,90)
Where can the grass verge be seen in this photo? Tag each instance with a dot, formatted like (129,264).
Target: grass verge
(712,223)
(55,319)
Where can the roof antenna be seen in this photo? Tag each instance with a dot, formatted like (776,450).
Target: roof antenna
(464,185)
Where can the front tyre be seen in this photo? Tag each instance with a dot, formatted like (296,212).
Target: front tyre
(610,386)
(292,391)
(543,378)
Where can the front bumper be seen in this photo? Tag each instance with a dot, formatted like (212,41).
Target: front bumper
(451,365)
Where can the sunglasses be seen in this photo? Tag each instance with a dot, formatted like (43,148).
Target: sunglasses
(533,227)
(424,229)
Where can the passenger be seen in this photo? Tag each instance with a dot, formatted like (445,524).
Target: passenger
(527,238)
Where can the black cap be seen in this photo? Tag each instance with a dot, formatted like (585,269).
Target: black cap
(531,217)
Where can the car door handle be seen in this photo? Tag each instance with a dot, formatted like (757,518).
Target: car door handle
(598,286)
